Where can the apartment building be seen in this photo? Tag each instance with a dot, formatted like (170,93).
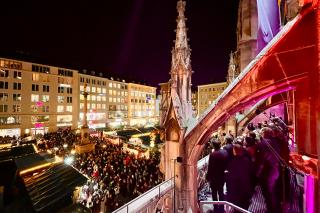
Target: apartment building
(141,104)
(97,100)
(35,98)
(207,94)
(117,103)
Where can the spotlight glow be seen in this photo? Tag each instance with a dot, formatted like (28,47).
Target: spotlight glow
(68,160)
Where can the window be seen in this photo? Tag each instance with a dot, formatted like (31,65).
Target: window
(104,90)
(4,73)
(17,74)
(98,106)
(81,88)
(42,69)
(34,108)
(69,90)
(16,108)
(93,81)
(65,72)
(93,106)
(81,105)
(103,83)
(93,97)
(98,98)
(3,96)
(45,108)
(3,108)
(16,97)
(60,99)
(68,108)
(35,76)
(98,90)
(35,87)
(110,99)
(60,89)
(10,120)
(110,85)
(34,98)
(45,78)
(82,79)
(93,89)
(16,86)
(3,85)
(87,80)
(69,100)
(45,98)
(45,88)
(103,106)
(60,108)
(103,98)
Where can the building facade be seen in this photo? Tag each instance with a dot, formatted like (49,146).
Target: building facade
(37,98)
(141,104)
(207,94)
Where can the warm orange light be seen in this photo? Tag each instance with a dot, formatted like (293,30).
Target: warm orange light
(35,168)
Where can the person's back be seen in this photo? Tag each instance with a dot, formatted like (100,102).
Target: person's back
(239,178)
(217,165)
(216,173)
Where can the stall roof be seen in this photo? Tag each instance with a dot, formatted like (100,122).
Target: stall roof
(47,190)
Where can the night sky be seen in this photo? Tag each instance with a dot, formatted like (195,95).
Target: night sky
(129,39)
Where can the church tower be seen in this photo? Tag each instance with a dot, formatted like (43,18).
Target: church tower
(247,29)
(177,110)
(181,64)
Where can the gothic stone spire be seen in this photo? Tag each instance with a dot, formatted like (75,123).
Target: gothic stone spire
(181,70)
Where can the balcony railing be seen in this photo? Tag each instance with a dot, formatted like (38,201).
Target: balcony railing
(229,207)
(146,198)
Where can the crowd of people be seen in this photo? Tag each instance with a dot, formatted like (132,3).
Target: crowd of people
(116,176)
(256,158)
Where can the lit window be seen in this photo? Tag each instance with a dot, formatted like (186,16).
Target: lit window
(60,108)
(93,97)
(104,90)
(93,89)
(93,106)
(110,99)
(103,98)
(45,98)
(110,85)
(35,76)
(68,108)
(60,99)
(98,90)
(103,106)
(34,98)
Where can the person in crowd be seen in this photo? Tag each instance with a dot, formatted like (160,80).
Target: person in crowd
(239,178)
(218,160)
(268,171)
(229,147)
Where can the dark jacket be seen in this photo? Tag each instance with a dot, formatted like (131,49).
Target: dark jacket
(217,165)
(239,179)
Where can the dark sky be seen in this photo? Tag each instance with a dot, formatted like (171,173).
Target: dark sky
(130,39)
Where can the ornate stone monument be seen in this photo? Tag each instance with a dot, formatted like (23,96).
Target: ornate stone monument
(85,145)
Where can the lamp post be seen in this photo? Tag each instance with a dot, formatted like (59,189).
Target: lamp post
(179,160)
